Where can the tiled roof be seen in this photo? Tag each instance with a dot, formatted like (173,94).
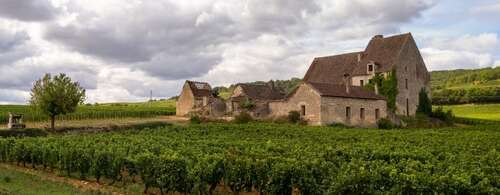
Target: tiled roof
(261,91)
(331,69)
(200,89)
(336,90)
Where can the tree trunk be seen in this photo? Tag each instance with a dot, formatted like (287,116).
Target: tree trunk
(53,122)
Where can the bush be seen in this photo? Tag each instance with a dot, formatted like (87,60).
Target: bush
(293,116)
(248,104)
(243,117)
(6,179)
(440,114)
(195,119)
(424,103)
(385,124)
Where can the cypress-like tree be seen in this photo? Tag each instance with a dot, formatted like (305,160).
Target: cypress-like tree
(424,103)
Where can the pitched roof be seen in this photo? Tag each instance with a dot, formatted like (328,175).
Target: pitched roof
(383,51)
(331,69)
(200,89)
(261,91)
(336,90)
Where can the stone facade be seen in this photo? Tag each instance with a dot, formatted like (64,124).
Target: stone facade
(318,109)
(332,90)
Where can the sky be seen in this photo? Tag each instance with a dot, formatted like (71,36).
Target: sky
(121,50)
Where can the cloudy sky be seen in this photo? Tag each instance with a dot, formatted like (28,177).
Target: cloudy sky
(120,50)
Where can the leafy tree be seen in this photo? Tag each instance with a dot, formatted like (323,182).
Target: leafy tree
(56,95)
(424,103)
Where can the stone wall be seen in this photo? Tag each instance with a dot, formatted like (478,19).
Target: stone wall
(303,96)
(333,110)
(185,102)
(411,71)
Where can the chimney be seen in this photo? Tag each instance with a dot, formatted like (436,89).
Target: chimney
(347,83)
(376,88)
(359,57)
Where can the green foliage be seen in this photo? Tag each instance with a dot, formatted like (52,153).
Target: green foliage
(274,159)
(424,103)
(95,111)
(466,86)
(247,104)
(293,116)
(476,111)
(385,123)
(7,179)
(195,119)
(388,87)
(243,117)
(56,95)
(446,116)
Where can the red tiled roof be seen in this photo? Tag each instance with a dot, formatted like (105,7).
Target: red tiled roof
(336,90)
(331,69)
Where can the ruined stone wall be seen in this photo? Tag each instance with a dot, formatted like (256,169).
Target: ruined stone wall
(412,76)
(303,96)
(185,102)
(333,110)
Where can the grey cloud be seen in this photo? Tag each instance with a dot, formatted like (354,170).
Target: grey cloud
(27,10)
(22,76)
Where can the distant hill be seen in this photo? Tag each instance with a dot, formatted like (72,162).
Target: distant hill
(448,87)
(466,86)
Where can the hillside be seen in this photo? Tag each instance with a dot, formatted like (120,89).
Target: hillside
(466,86)
(448,87)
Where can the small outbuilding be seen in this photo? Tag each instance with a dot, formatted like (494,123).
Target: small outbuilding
(254,98)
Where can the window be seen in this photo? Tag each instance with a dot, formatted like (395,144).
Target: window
(406,83)
(377,114)
(361,83)
(348,113)
(370,68)
(406,68)
(303,110)
(407,108)
(362,113)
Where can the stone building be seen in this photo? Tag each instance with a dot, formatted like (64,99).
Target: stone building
(327,103)
(256,96)
(332,90)
(382,55)
(198,98)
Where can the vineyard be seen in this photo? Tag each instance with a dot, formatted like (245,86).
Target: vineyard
(274,159)
(97,111)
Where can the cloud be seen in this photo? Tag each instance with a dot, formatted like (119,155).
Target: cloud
(466,51)
(27,10)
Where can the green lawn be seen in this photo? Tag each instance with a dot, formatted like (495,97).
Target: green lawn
(476,111)
(16,182)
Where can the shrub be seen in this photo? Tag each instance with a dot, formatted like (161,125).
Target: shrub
(195,119)
(247,104)
(293,116)
(424,103)
(6,179)
(385,124)
(440,114)
(243,117)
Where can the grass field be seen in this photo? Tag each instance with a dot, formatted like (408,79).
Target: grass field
(16,182)
(276,158)
(476,111)
(96,111)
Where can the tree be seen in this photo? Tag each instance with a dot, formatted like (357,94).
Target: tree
(56,95)
(424,103)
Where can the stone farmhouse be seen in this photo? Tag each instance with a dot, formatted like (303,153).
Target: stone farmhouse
(333,89)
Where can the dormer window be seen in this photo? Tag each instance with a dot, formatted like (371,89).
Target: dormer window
(370,67)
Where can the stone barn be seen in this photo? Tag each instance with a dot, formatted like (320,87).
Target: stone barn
(198,98)
(253,98)
(326,103)
(382,55)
